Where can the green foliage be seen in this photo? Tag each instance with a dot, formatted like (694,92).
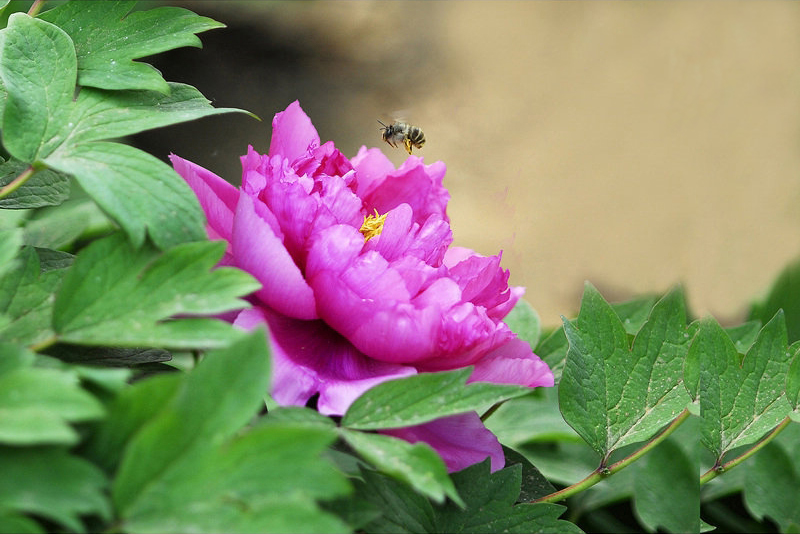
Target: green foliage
(104,268)
(424,397)
(608,392)
(116,295)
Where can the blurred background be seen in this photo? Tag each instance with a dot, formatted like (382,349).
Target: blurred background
(636,145)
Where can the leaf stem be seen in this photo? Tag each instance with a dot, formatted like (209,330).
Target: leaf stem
(35,8)
(14,184)
(604,471)
(718,469)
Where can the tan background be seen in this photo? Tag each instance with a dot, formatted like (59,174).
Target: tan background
(633,144)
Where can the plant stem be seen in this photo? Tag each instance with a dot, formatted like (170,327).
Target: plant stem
(604,471)
(718,469)
(14,184)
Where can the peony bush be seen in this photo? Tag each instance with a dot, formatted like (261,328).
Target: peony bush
(360,283)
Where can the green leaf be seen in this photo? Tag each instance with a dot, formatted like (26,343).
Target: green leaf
(490,499)
(100,114)
(51,483)
(26,298)
(667,490)
(108,38)
(793,385)
(613,395)
(534,484)
(739,402)
(37,404)
(10,241)
(214,401)
(416,464)
(60,227)
(44,188)
(553,350)
(534,417)
(402,509)
(785,295)
(12,523)
(38,69)
(138,191)
(634,313)
(191,467)
(266,480)
(130,410)
(115,295)
(772,485)
(424,397)
(524,321)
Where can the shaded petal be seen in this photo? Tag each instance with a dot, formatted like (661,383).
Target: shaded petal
(402,237)
(513,363)
(293,134)
(461,440)
(217,197)
(372,166)
(309,358)
(259,251)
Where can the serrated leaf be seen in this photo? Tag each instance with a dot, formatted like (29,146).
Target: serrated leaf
(402,509)
(37,404)
(138,191)
(524,321)
(634,313)
(424,397)
(115,295)
(108,38)
(739,402)
(533,484)
(215,400)
(416,464)
(490,499)
(26,298)
(51,483)
(613,395)
(667,490)
(772,485)
(38,69)
(44,188)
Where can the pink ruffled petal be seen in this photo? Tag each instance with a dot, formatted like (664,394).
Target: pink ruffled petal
(310,358)
(293,135)
(418,185)
(461,440)
(259,251)
(513,363)
(372,167)
(217,197)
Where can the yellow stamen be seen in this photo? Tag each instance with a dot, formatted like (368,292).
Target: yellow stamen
(372,225)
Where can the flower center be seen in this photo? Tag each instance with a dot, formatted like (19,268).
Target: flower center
(372,225)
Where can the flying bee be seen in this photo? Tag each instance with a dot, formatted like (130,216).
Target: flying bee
(400,131)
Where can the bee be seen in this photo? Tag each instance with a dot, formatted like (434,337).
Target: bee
(400,131)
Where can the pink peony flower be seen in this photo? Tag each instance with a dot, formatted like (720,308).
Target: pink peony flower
(359,282)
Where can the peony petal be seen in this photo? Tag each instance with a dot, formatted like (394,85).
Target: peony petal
(461,440)
(259,251)
(513,363)
(372,167)
(217,197)
(293,135)
(310,358)
(418,185)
